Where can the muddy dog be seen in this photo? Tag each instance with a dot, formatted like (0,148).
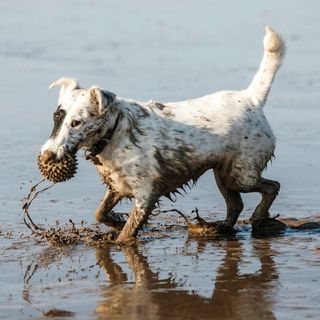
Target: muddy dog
(145,150)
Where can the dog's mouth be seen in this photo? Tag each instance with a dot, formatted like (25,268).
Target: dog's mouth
(58,170)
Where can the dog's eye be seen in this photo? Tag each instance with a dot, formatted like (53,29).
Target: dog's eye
(75,123)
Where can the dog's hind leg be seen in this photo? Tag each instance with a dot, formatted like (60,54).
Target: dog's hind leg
(245,177)
(269,190)
(260,220)
(106,215)
(232,198)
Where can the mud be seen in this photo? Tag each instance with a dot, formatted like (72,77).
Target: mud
(72,235)
(166,51)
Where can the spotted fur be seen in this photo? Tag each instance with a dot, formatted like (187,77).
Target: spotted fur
(158,148)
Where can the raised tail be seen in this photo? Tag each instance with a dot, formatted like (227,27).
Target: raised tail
(274,52)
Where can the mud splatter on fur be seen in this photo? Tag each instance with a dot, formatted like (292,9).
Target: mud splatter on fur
(159,148)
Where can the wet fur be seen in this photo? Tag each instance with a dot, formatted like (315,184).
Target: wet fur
(159,148)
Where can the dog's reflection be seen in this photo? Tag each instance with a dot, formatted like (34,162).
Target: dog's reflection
(129,297)
(234,296)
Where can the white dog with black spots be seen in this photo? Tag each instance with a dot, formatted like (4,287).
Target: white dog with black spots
(145,150)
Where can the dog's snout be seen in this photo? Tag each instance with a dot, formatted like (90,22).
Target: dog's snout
(47,155)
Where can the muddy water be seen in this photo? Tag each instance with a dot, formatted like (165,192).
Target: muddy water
(164,51)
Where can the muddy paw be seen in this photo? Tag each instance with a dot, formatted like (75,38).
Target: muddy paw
(268,227)
(223,227)
(113,219)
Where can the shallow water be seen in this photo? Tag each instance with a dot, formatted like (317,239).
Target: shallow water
(163,51)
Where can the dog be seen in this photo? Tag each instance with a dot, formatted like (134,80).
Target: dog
(146,150)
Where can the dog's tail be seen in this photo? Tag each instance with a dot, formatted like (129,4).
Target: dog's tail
(274,52)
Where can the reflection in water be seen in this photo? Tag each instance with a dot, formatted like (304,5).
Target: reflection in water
(234,296)
(245,296)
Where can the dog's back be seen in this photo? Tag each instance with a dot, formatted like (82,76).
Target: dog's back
(227,129)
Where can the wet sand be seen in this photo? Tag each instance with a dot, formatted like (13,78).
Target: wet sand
(164,51)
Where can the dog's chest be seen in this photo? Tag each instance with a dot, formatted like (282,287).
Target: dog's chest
(115,177)
(125,170)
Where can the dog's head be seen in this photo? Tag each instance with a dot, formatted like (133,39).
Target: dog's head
(82,119)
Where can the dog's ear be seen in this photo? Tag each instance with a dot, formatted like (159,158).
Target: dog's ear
(101,98)
(66,84)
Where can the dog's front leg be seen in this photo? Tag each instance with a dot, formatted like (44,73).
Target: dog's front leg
(104,213)
(137,218)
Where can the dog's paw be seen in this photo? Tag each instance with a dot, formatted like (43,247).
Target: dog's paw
(224,227)
(113,219)
(267,227)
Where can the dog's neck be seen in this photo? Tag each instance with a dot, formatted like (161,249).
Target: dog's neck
(127,115)
(105,140)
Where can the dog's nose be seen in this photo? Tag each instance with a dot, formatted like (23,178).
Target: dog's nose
(47,156)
